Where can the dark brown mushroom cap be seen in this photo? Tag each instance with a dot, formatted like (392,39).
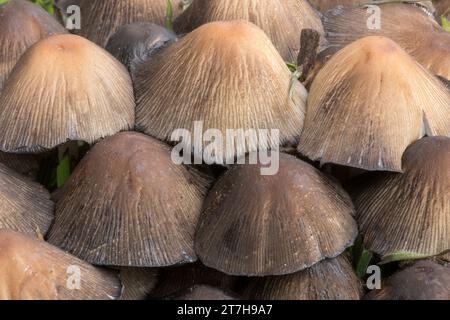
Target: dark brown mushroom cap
(368,103)
(34,270)
(100,19)
(25,206)
(134,43)
(330,279)
(226,74)
(75,91)
(174,281)
(414,29)
(202,292)
(137,283)
(424,280)
(281,20)
(22,24)
(128,204)
(409,212)
(257,225)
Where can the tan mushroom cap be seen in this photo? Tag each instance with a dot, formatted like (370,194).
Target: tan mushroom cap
(409,212)
(22,24)
(74,91)
(414,30)
(330,279)
(257,225)
(368,103)
(424,280)
(100,19)
(226,74)
(25,206)
(34,270)
(138,283)
(128,204)
(281,20)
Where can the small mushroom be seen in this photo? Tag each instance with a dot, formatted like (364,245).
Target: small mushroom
(424,280)
(410,212)
(74,91)
(257,225)
(100,19)
(22,24)
(25,206)
(227,75)
(34,270)
(330,279)
(281,20)
(127,204)
(414,29)
(137,283)
(368,103)
(134,43)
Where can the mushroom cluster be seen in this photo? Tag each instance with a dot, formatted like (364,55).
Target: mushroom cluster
(224,150)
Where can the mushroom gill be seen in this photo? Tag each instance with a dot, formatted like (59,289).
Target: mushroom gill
(256,225)
(409,213)
(100,19)
(368,103)
(34,270)
(330,279)
(414,30)
(127,204)
(281,20)
(423,280)
(22,24)
(227,75)
(74,91)
(25,206)
(136,42)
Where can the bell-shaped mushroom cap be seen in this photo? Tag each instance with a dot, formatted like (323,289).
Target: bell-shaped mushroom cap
(424,280)
(100,19)
(368,103)
(22,24)
(74,91)
(26,164)
(137,283)
(176,280)
(412,27)
(25,206)
(203,292)
(34,270)
(227,75)
(256,225)
(410,212)
(281,20)
(330,279)
(134,43)
(128,204)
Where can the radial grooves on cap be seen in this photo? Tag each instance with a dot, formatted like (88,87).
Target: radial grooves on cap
(414,30)
(25,206)
(75,91)
(281,20)
(226,74)
(34,270)
(256,225)
(330,279)
(22,24)
(409,212)
(128,204)
(101,19)
(368,103)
